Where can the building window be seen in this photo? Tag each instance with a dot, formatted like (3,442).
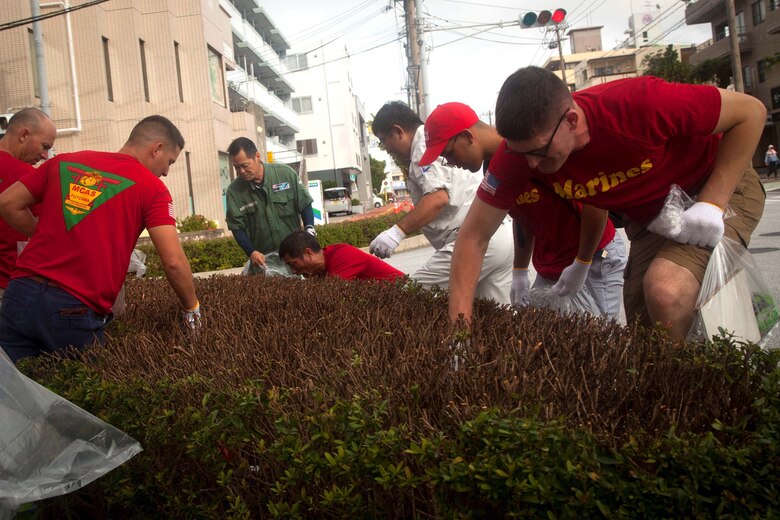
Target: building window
(144,75)
(178,70)
(759,12)
(296,62)
(721,31)
(216,77)
(107,64)
(302,105)
(774,4)
(307,146)
(761,66)
(34,61)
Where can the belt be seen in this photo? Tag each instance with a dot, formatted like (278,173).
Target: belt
(41,279)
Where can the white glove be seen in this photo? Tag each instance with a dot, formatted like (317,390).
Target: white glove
(572,278)
(702,225)
(518,294)
(192,317)
(310,230)
(386,242)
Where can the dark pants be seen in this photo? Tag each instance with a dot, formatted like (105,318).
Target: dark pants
(772,169)
(36,318)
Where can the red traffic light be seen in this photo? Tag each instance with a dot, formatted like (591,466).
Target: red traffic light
(558,15)
(542,18)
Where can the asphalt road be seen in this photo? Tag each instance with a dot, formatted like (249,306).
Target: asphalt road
(764,246)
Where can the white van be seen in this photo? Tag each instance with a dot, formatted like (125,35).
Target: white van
(337,200)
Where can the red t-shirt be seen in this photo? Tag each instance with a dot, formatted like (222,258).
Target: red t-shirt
(11,169)
(350,263)
(645,135)
(553,221)
(94,206)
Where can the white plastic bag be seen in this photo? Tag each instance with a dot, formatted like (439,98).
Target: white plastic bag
(48,445)
(274,266)
(734,296)
(138,266)
(579,303)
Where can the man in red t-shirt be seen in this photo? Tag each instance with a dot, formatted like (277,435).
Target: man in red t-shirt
(620,146)
(303,254)
(574,246)
(29,137)
(94,206)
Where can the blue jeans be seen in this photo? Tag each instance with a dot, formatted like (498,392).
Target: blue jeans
(36,318)
(605,278)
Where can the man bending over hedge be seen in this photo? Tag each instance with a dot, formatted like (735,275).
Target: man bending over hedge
(94,206)
(303,254)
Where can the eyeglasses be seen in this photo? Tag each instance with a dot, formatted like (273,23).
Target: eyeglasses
(447,156)
(383,140)
(542,152)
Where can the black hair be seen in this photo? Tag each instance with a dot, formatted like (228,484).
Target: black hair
(245,144)
(296,243)
(395,113)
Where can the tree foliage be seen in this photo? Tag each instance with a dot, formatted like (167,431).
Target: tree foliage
(666,65)
(377,173)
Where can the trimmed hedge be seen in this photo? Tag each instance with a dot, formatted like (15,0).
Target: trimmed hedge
(329,399)
(224,253)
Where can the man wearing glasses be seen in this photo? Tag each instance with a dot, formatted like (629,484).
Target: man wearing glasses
(574,246)
(442,196)
(620,146)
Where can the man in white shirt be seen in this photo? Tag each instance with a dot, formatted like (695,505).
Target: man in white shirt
(442,196)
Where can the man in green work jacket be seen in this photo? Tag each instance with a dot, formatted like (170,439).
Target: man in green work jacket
(264,204)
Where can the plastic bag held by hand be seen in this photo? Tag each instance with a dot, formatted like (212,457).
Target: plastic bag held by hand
(386,242)
(688,222)
(734,297)
(48,445)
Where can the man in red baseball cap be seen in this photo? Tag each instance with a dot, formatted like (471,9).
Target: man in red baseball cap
(574,247)
(442,196)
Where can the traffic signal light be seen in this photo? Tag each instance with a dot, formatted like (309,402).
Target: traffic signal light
(542,19)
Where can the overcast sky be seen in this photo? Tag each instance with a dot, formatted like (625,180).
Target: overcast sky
(467,64)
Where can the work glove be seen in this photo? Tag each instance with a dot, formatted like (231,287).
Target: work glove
(192,317)
(310,230)
(518,294)
(572,278)
(386,242)
(702,225)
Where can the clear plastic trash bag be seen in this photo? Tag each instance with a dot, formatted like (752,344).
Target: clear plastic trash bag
(48,445)
(579,303)
(274,266)
(734,297)
(137,266)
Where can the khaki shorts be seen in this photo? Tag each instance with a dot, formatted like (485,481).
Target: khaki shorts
(747,202)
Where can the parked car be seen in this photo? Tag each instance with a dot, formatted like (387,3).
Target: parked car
(377,201)
(337,200)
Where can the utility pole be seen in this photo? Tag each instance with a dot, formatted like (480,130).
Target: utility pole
(736,59)
(560,54)
(425,105)
(43,81)
(413,54)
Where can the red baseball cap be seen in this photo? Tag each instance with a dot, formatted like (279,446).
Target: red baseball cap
(445,122)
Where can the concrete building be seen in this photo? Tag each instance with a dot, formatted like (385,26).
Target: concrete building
(111,64)
(758,31)
(333,136)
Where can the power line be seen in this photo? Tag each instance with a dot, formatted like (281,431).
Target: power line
(32,19)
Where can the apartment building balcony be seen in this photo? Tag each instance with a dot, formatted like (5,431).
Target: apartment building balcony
(279,118)
(254,53)
(705,11)
(719,48)
(773,21)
